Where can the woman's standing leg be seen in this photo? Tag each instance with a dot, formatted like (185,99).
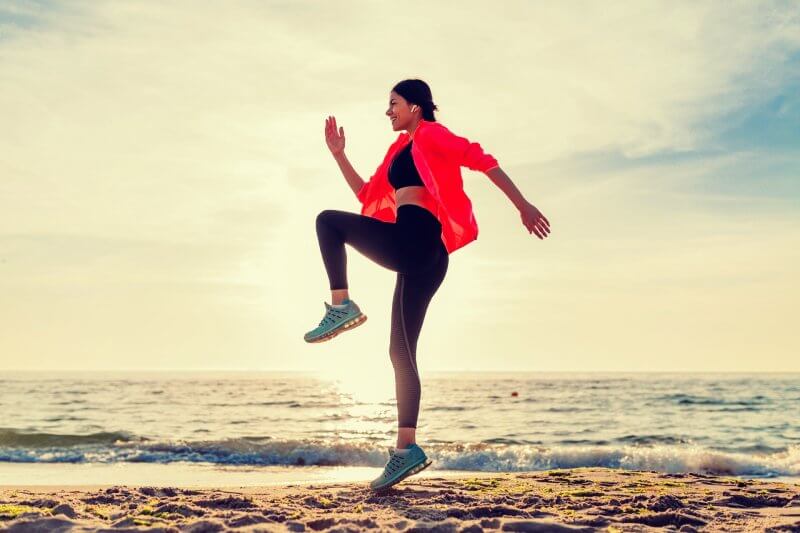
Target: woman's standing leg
(412,294)
(419,275)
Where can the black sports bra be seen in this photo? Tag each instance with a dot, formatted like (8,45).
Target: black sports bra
(402,172)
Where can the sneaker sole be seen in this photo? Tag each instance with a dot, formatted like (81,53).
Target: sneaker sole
(419,468)
(350,324)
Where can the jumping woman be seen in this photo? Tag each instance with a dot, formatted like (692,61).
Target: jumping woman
(414,215)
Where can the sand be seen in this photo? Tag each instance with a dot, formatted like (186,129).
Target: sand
(581,499)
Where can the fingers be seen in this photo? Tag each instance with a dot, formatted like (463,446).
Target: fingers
(544,228)
(540,232)
(540,215)
(541,223)
(330,126)
(539,228)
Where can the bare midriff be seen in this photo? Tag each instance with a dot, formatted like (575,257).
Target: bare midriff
(416,195)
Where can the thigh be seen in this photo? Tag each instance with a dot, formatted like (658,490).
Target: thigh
(412,296)
(377,240)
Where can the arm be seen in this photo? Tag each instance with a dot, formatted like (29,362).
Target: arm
(353,179)
(504,183)
(532,218)
(471,155)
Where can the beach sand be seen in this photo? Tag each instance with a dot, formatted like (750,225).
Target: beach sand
(580,499)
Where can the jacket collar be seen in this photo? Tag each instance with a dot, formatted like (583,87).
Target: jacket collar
(421,125)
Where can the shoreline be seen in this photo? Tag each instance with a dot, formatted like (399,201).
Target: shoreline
(579,499)
(189,475)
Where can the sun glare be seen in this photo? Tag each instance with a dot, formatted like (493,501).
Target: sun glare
(364,385)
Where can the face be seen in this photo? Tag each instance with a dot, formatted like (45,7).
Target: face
(400,110)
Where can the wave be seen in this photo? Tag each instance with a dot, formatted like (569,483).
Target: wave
(691,399)
(11,437)
(652,439)
(494,456)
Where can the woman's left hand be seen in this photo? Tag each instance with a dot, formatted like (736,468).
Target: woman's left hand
(534,220)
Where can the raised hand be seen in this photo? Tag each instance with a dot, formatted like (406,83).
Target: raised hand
(334,139)
(534,220)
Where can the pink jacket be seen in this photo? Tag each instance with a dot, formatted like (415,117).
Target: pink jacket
(438,155)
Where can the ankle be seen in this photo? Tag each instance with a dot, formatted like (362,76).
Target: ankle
(338,296)
(406,436)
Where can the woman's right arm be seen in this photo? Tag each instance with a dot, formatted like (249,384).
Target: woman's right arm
(335,141)
(353,179)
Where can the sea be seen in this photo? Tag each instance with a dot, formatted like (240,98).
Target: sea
(252,428)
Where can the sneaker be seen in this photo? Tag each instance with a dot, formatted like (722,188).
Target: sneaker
(335,321)
(402,463)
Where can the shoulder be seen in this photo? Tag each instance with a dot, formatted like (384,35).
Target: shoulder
(430,131)
(432,127)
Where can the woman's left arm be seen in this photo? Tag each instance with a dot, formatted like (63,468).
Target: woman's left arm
(471,155)
(532,218)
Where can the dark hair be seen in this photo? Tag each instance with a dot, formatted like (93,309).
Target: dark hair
(417,92)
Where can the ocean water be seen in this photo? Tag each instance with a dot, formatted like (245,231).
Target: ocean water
(744,425)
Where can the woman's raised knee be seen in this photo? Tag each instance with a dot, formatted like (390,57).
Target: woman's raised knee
(325,215)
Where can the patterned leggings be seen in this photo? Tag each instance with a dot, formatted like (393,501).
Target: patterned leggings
(413,248)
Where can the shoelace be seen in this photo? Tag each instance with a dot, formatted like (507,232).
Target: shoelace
(333,315)
(395,462)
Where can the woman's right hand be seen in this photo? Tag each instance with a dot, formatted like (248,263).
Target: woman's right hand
(334,139)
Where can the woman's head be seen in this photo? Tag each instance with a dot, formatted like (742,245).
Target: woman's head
(409,101)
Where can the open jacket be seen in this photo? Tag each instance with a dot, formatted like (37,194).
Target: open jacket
(438,155)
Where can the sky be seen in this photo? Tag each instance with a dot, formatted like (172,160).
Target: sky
(162,165)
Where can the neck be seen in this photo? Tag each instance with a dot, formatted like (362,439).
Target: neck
(413,128)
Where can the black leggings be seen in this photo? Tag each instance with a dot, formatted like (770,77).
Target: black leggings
(413,248)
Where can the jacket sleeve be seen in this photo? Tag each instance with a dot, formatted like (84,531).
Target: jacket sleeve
(467,153)
(362,192)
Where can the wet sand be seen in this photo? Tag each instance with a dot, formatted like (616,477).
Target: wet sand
(581,499)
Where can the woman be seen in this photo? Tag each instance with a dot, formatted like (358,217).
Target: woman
(414,214)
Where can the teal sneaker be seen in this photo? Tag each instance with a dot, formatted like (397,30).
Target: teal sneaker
(402,463)
(336,321)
